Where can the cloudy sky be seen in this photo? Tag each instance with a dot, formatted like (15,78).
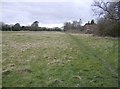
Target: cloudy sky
(49,13)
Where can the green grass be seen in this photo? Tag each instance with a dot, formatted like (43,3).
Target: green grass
(55,59)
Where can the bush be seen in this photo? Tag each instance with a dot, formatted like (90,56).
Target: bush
(107,27)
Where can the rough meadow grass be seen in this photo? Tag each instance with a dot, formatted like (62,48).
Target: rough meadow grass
(56,59)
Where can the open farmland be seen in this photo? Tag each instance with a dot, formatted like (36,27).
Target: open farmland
(56,59)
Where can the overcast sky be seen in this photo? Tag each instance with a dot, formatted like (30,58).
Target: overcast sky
(49,13)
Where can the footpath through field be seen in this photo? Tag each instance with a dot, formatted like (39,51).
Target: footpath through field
(87,50)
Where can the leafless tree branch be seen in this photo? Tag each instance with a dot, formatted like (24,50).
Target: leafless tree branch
(106,8)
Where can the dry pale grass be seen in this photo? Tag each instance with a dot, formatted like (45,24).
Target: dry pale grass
(41,40)
(83,35)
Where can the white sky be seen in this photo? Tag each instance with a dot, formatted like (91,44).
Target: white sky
(50,13)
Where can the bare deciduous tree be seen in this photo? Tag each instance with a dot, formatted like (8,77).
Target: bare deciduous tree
(109,10)
(109,17)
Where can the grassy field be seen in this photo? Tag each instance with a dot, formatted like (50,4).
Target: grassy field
(55,59)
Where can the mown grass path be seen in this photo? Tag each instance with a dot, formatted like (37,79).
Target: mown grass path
(87,50)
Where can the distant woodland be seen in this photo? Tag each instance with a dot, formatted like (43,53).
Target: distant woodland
(108,23)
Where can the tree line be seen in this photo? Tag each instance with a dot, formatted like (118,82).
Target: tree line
(34,27)
(108,22)
(74,25)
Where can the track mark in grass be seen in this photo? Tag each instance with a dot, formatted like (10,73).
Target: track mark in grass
(92,52)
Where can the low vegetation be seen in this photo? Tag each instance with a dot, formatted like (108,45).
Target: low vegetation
(56,59)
